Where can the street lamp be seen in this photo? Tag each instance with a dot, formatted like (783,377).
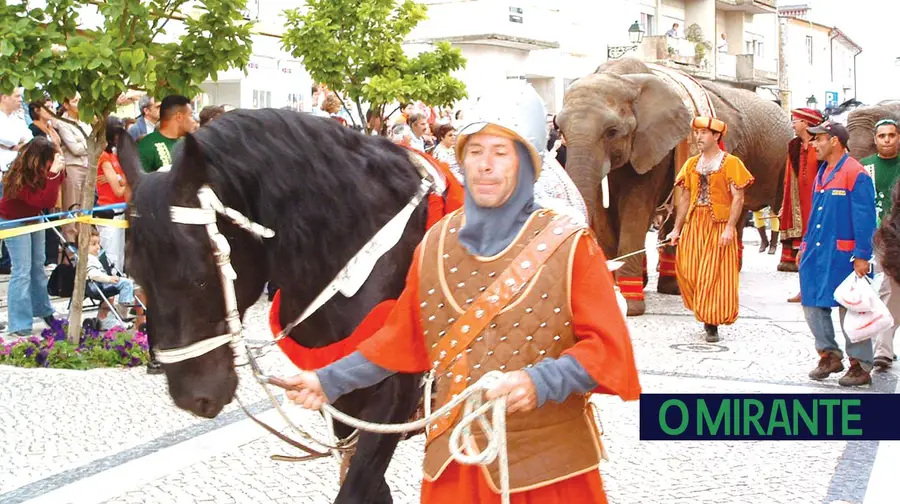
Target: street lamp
(811,102)
(635,36)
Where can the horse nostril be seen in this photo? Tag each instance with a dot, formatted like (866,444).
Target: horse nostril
(205,407)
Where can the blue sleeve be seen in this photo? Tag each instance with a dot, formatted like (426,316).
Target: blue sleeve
(862,210)
(348,374)
(557,379)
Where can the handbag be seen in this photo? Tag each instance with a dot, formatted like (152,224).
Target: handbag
(62,280)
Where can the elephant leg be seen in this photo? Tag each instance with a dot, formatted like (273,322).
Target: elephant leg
(788,256)
(668,281)
(636,204)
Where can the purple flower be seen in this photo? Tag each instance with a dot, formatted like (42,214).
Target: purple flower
(29,351)
(34,340)
(135,361)
(41,358)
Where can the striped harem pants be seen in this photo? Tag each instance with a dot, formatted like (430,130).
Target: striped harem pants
(707,272)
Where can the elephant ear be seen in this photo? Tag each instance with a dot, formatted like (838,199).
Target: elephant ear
(662,121)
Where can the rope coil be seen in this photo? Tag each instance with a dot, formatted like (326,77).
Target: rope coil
(475,409)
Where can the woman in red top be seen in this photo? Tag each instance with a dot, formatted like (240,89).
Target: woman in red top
(31,184)
(112,189)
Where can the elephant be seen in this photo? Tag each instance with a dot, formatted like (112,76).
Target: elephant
(627,123)
(861,125)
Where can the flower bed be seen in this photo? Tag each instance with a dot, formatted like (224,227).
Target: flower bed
(112,348)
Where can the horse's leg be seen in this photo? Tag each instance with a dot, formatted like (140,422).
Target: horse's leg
(392,401)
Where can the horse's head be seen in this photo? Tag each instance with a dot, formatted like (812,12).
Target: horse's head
(174,264)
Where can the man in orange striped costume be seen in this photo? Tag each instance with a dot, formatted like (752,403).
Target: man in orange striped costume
(711,205)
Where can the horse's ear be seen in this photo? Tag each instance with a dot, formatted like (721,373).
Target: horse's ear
(191,172)
(126,150)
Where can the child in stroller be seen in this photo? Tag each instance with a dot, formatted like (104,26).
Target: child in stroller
(111,285)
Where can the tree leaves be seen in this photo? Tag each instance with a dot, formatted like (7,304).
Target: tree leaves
(49,50)
(355,47)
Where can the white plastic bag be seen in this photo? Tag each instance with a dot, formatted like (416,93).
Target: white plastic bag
(857,294)
(861,326)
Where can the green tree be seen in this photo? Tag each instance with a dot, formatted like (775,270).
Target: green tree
(52,50)
(355,48)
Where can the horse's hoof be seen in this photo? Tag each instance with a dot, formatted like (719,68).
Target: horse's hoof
(668,285)
(635,307)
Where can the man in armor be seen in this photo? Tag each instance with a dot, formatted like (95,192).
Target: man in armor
(503,285)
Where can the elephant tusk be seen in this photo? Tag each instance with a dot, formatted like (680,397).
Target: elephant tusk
(604,188)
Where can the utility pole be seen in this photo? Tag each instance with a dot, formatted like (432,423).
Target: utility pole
(784,90)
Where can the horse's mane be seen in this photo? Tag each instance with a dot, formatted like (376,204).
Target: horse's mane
(324,188)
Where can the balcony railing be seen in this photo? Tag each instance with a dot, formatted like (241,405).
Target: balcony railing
(726,66)
(676,53)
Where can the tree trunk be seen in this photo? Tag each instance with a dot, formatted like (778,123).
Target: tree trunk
(96,143)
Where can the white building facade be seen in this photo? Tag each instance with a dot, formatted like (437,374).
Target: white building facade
(821,61)
(552,43)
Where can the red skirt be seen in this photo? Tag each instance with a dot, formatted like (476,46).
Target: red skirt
(466,483)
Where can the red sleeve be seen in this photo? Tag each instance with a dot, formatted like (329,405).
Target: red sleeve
(46,197)
(400,345)
(604,345)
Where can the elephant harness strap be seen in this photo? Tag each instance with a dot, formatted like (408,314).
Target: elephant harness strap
(695,99)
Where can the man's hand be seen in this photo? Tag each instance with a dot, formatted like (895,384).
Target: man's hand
(673,237)
(115,280)
(727,236)
(861,267)
(308,391)
(101,179)
(519,391)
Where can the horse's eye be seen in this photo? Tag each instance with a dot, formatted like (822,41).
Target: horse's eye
(200,283)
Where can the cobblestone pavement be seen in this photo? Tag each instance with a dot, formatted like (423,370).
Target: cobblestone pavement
(114,435)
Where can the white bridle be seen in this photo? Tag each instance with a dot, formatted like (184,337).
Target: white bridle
(348,281)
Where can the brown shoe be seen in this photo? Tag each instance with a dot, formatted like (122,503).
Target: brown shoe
(855,376)
(789,267)
(882,363)
(828,363)
(795,299)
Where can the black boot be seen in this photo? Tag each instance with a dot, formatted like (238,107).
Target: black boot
(773,243)
(712,333)
(763,239)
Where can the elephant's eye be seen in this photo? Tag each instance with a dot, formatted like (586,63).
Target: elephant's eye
(612,133)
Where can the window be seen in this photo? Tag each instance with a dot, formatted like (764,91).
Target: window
(648,24)
(809,49)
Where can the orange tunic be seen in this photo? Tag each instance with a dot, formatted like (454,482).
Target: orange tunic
(604,350)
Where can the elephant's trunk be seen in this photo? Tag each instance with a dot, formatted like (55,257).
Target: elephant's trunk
(587,172)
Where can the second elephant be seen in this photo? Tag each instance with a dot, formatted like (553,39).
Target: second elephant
(631,122)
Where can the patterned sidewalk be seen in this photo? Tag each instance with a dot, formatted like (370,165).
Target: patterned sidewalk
(114,436)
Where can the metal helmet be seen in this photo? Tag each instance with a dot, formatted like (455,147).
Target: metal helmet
(515,106)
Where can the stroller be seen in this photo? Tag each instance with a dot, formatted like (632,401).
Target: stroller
(62,281)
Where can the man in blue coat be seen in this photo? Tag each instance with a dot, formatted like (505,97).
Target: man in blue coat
(838,242)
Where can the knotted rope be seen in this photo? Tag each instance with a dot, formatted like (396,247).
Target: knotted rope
(475,409)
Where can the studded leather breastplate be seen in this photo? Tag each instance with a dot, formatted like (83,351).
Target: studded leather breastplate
(535,325)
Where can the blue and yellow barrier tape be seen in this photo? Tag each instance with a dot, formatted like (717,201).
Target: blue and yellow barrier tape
(87,219)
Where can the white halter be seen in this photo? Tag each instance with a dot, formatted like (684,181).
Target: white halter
(348,281)
(206,216)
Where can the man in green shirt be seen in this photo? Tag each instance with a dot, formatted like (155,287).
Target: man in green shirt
(155,151)
(176,119)
(884,168)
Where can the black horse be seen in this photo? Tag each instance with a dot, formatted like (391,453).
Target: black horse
(325,190)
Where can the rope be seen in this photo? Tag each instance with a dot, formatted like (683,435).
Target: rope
(475,409)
